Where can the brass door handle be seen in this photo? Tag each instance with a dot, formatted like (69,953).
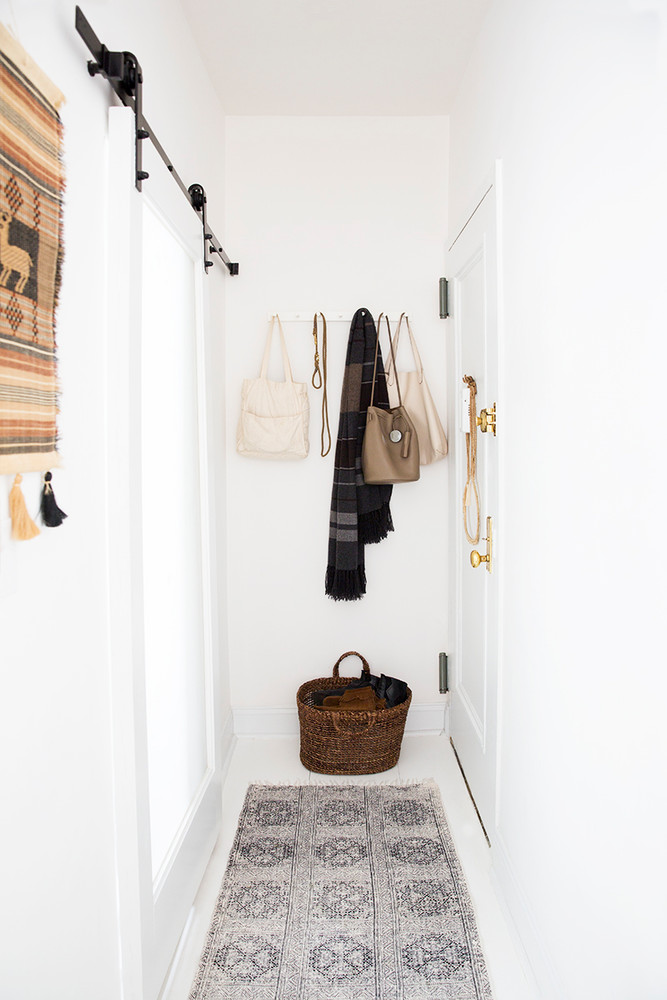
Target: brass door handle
(487,420)
(475,558)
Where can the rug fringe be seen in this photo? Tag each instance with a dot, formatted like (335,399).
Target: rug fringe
(388,783)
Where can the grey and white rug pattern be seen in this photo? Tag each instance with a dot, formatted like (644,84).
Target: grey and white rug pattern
(343,892)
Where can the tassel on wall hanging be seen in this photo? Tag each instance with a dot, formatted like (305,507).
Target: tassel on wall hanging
(23,526)
(32,182)
(52,515)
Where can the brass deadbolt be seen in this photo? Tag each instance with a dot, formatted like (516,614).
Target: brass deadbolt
(487,420)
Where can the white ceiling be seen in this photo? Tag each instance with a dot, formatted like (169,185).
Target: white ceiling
(335,57)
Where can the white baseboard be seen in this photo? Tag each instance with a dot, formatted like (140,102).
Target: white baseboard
(424,719)
(530,943)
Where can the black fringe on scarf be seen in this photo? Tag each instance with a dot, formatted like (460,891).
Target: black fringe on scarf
(346,584)
(375,525)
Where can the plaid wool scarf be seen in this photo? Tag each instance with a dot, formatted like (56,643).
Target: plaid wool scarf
(360,513)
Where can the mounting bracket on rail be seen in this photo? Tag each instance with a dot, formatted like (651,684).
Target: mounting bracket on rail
(123,72)
(198,199)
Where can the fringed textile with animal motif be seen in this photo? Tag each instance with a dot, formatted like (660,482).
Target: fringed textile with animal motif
(31,195)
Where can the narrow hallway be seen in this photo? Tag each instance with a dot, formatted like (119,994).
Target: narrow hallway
(343,148)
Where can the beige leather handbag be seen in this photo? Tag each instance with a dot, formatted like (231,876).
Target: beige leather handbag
(418,401)
(390,449)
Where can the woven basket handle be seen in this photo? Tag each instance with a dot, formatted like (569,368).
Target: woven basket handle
(352,652)
(354,729)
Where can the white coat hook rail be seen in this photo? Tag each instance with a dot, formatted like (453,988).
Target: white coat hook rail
(124,75)
(305,316)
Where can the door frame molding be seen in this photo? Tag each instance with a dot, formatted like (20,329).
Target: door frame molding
(126,669)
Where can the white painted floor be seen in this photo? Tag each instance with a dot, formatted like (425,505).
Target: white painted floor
(275,760)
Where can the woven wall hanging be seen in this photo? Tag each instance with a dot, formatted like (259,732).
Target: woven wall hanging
(31,196)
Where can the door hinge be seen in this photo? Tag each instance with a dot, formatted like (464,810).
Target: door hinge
(444,298)
(444,679)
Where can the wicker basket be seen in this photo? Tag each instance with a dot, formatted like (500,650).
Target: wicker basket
(348,742)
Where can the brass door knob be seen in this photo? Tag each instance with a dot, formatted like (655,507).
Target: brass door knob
(476,559)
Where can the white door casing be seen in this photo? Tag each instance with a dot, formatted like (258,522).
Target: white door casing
(162,650)
(474,283)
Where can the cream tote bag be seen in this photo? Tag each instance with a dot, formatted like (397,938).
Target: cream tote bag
(274,415)
(418,401)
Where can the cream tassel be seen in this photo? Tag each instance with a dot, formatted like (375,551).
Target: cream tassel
(23,526)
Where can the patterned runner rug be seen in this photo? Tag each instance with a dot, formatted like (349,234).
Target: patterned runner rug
(343,892)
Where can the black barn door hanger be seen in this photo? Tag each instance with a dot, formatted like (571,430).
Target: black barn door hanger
(123,72)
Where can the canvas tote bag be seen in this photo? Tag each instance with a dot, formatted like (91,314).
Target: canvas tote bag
(274,415)
(417,400)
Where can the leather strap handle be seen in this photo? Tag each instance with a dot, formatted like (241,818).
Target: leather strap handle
(316,380)
(319,381)
(375,362)
(391,367)
(352,652)
(471,489)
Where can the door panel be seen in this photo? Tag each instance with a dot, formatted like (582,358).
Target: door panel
(473,266)
(172,564)
(164,676)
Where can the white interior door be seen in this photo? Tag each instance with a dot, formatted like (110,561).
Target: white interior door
(473,267)
(163,658)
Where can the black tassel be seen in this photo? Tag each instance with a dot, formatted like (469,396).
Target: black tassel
(52,515)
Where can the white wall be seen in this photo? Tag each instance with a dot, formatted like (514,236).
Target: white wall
(58,920)
(571,97)
(331,214)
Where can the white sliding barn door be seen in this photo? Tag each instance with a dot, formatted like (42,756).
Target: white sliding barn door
(473,270)
(162,650)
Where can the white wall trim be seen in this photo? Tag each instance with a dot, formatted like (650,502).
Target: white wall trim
(227,743)
(529,942)
(124,639)
(199,916)
(424,719)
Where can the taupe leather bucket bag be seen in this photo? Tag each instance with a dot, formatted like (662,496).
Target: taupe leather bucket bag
(390,449)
